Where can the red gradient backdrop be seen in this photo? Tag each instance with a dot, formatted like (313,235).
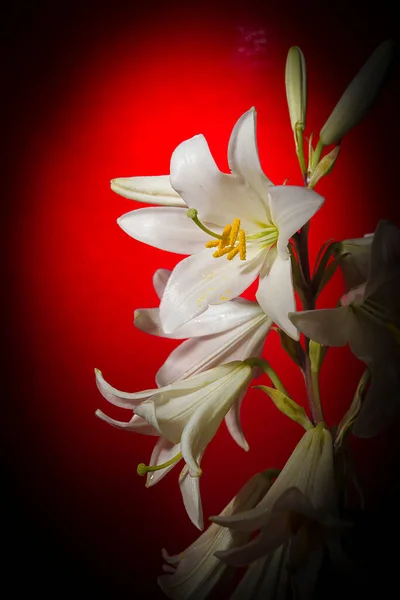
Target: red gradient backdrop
(96,92)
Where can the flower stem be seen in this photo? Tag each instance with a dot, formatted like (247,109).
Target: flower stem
(312,385)
(268,370)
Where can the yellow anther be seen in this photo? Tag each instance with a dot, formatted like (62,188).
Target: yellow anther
(233,253)
(213,244)
(242,245)
(234,231)
(222,251)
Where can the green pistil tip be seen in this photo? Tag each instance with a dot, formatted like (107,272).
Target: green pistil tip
(192,213)
(142,469)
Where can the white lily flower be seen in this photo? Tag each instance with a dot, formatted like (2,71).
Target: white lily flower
(354,260)
(186,415)
(232,331)
(300,506)
(249,220)
(368,320)
(193,573)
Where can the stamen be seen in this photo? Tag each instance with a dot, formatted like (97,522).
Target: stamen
(214,244)
(142,469)
(234,231)
(233,253)
(242,245)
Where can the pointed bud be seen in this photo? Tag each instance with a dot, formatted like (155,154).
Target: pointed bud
(324,167)
(359,95)
(296,87)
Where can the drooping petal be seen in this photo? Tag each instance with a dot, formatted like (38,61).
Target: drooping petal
(160,279)
(205,420)
(136,424)
(327,326)
(117,397)
(196,355)
(190,489)
(275,292)
(219,197)
(243,156)
(291,207)
(151,190)
(216,319)
(163,452)
(201,280)
(165,228)
(265,579)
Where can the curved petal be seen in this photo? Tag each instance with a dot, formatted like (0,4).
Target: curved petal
(275,292)
(291,207)
(196,355)
(136,424)
(165,228)
(163,452)
(205,420)
(151,190)
(243,156)
(217,196)
(234,424)
(201,280)
(160,280)
(216,319)
(327,326)
(190,489)
(118,398)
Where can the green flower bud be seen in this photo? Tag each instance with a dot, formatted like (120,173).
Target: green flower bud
(359,95)
(296,87)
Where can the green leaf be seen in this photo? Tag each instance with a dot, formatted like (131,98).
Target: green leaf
(287,406)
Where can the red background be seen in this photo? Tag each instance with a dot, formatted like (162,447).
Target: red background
(96,92)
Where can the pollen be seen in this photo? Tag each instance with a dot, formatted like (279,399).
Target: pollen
(232,242)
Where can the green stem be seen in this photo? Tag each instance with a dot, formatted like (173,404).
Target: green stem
(312,385)
(300,151)
(316,156)
(268,370)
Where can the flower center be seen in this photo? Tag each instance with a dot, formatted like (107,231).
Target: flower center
(229,244)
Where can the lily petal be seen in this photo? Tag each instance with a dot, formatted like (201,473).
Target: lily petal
(165,228)
(291,207)
(117,397)
(136,424)
(385,256)
(216,319)
(196,355)
(327,326)
(275,292)
(195,435)
(201,280)
(163,451)
(160,280)
(243,156)
(150,190)
(190,489)
(219,197)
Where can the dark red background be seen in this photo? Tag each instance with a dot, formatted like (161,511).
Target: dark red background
(94,92)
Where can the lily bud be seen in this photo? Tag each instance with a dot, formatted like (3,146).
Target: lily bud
(296,87)
(359,95)
(324,167)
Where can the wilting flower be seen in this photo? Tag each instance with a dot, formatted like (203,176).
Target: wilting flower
(235,330)
(300,507)
(243,220)
(186,415)
(368,319)
(196,571)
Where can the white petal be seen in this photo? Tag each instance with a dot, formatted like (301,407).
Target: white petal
(190,488)
(136,424)
(217,196)
(275,292)
(243,153)
(160,279)
(151,190)
(205,420)
(163,452)
(201,280)
(291,207)
(214,320)
(197,355)
(327,326)
(165,228)
(118,398)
